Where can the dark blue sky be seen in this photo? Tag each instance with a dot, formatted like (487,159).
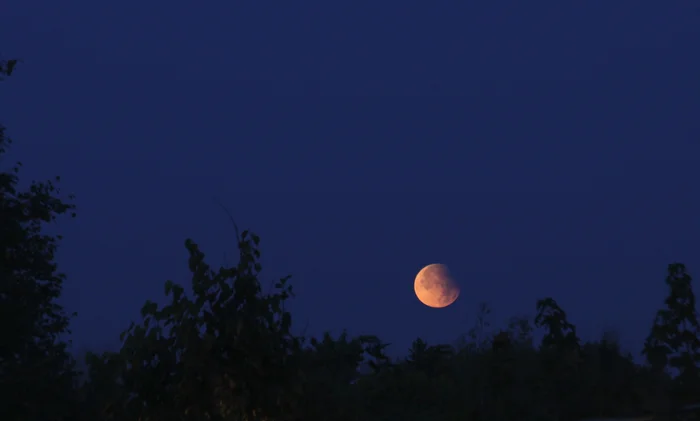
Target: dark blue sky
(537,148)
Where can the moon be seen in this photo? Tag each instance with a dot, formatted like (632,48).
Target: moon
(435,287)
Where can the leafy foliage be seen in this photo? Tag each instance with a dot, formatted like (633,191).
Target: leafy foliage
(228,353)
(35,368)
(7,67)
(673,342)
(225,353)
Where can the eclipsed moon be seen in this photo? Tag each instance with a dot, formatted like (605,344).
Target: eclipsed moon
(435,287)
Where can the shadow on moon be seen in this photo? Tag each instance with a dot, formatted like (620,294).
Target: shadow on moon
(435,287)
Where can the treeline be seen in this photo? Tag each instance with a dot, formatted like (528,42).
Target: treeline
(222,349)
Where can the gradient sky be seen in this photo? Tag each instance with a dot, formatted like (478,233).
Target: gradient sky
(536,148)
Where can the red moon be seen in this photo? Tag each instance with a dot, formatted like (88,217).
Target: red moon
(435,287)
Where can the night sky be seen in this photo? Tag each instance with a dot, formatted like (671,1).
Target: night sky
(536,148)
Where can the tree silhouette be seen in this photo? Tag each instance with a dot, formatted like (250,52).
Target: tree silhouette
(561,358)
(7,67)
(225,353)
(36,372)
(673,342)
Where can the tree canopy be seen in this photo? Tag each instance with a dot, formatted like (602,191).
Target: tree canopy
(36,372)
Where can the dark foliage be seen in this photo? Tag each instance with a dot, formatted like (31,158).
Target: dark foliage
(36,374)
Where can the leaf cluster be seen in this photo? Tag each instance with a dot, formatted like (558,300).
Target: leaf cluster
(34,365)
